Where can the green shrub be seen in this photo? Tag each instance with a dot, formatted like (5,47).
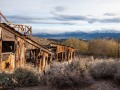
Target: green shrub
(68,76)
(104,70)
(25,77)
(6,81)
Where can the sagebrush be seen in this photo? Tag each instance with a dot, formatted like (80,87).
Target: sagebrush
(25,77)
(67,76)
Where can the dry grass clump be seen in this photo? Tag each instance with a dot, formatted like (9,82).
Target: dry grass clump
(67,76)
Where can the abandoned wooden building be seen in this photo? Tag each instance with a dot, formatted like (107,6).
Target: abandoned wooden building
(62,52)
(18,49)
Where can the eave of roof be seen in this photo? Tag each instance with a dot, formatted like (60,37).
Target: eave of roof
(61,45)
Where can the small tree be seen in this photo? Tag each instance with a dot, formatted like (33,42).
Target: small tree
(103,47)
(79,45)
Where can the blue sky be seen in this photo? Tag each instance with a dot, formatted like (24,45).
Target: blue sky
(57,16)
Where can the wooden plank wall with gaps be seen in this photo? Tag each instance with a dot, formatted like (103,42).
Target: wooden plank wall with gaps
(63,52)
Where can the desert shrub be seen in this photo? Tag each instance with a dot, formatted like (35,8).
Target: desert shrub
(25,77)
(117,75)
(79,45)
(68,76)
(103,47)
(78,75)
(104,70)
(6,81)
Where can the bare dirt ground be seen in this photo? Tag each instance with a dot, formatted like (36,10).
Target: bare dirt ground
(98,85)
(103,85)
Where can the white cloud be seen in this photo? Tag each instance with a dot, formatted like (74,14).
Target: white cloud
(42,9)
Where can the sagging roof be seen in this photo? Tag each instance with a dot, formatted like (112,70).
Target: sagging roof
(61,44)
(27,39)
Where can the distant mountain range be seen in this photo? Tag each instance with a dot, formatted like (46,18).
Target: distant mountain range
(82,35)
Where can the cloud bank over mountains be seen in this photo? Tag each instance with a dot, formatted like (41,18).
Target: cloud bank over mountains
(55,16)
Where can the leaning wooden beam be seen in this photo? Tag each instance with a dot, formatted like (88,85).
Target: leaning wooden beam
(30,41)
(37,45)
(2,16)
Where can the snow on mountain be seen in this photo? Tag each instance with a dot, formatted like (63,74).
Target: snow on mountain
(105,31)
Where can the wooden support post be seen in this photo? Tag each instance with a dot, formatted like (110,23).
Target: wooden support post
(17,53)
(39,63)
(56,56)
(15,49)
(71,56)
(74,55)
(25,50)
(30,54)
(62,56)
(44,64)
(22,52)
(68,57)
(0,48)
(50,58)
(65,55)
(31,31)
(36,57)
(0,54)
(23,57)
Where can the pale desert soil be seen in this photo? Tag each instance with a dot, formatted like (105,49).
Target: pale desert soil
(98,85)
